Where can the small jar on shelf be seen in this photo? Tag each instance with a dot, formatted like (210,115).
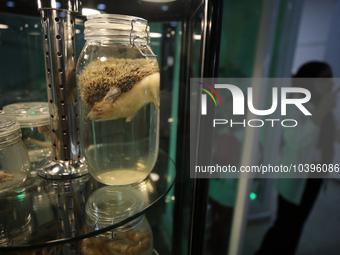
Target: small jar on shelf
(14,160)
(35,126)
(132,238)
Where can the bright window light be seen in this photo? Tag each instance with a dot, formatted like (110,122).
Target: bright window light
(3,26)
(155,35)
(88,11)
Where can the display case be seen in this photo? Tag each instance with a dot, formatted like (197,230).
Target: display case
(54,211)
(185,37)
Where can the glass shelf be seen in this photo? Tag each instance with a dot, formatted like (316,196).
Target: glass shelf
(43,213)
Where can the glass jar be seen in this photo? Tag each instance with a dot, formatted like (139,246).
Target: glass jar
(35,126)
(118,84)
(134,237)
(14,161)
(17,223)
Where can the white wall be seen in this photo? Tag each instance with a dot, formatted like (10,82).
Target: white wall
(314,31)
(332,55)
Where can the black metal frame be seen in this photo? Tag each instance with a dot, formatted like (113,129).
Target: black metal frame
(209,64)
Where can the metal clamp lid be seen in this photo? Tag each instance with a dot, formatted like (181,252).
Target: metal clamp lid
(134,37)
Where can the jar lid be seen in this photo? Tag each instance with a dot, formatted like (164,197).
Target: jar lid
(110,205)
(118,27)
(30,114)
(118,21)
(9,129)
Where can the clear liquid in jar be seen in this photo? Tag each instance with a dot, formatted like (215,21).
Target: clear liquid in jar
(120,152)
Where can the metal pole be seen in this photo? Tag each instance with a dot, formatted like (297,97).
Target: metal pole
(58,27)
(70,196)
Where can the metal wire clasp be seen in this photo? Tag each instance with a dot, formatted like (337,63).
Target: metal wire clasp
(133,37)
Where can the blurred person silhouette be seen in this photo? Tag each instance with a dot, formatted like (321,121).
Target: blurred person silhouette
(310,142)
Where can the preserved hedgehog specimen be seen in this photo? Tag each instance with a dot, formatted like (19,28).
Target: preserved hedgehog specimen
(118,88)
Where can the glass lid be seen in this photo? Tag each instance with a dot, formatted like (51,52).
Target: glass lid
(110,205)
(30,114)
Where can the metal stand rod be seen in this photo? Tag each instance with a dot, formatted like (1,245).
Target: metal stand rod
(70,196)
(58,27)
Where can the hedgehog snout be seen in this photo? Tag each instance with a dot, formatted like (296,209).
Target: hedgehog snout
(94,114)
